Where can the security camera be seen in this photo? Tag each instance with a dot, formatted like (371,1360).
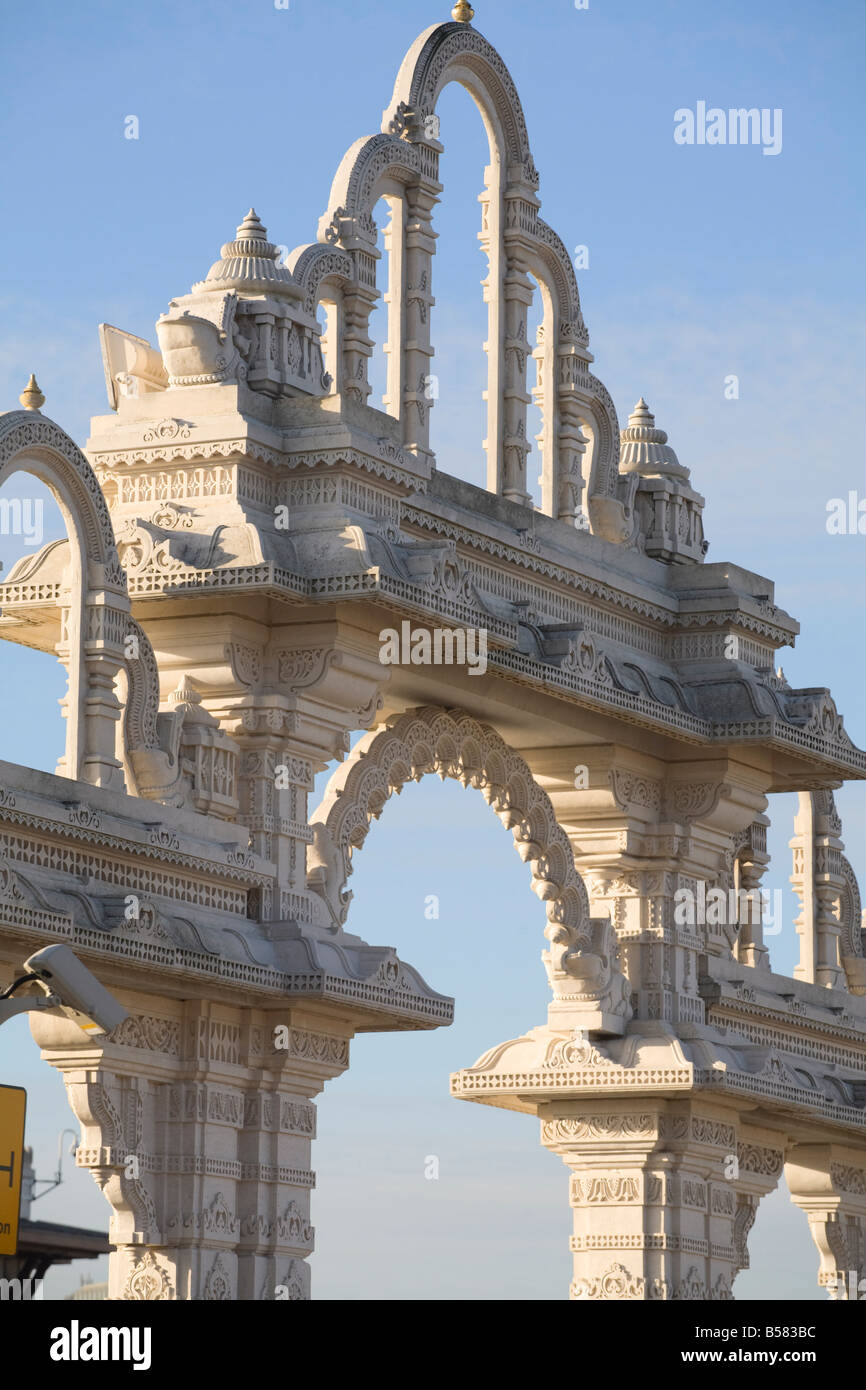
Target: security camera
(77,992)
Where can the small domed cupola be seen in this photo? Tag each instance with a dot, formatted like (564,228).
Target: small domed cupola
(245,322)
(249,263)
(645,449)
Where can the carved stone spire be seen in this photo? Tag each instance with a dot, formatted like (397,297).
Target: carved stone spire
(248,263)
(645,448)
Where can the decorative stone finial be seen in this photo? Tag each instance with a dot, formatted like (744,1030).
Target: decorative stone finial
(186,693)
(645,448)
(251,228)
(188,703)
(463,12)
(250,262)
(31,397)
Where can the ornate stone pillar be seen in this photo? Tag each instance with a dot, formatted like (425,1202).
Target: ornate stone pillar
(275,783)
(818,882)
(666,1178)
(70,703)
(752,862)
(394,237)
(828,1183)
(418,394)
(571,480)
(356,343)
(561,442)
(197,1121)
(658,1195)
(517,290)
(261,376)
(92,631)
(103,659)
(490,237)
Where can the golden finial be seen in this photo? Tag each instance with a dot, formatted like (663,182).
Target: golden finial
(463,12)
(31,397)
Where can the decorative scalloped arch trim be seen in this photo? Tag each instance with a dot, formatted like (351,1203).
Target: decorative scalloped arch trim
(317,263)
(559,266)
(430,65)
(453,744)
(356,186)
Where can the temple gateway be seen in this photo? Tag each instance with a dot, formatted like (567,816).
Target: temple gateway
(242,525)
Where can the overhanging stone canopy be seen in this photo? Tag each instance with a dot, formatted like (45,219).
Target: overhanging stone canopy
(242,527)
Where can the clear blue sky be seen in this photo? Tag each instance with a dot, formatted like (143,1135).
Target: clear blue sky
(702,262)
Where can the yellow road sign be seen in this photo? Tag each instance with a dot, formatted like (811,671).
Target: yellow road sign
(13,1105)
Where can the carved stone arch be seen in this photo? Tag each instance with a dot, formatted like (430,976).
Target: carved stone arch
(343,260)
(31,443)
(367,168)
(325,274)
(605,472)
(93,625)
(583,959)
(457,53)
(559,269)
(318,265)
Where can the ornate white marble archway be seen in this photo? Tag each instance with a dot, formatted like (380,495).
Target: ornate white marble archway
(268,525)
(583,960)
